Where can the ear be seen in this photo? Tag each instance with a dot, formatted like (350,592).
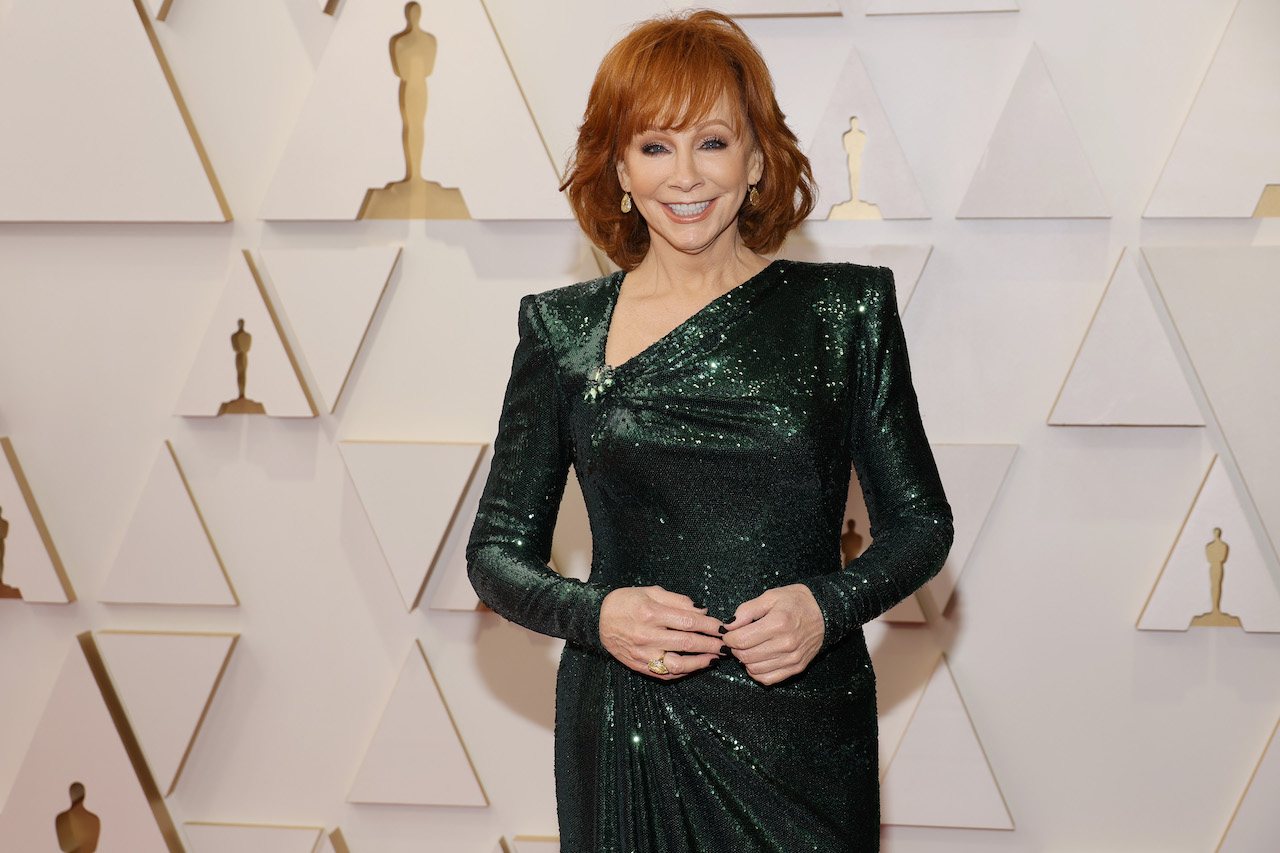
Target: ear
(623,178)
(755,167)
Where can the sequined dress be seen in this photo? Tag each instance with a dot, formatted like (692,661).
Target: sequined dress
(716,464)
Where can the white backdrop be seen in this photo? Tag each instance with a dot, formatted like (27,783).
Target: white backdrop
(1101,737)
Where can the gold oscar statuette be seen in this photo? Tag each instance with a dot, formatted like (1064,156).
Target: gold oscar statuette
(1216,552)
(413,56)
(241,405)
(850,541)
(6,591)
(78,828)
(855,142)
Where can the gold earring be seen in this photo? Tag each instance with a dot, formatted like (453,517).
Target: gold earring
(626,202)
(753,196)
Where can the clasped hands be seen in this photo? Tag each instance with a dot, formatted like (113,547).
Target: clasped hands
(775,635)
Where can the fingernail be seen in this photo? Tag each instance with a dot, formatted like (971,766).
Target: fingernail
(724,630)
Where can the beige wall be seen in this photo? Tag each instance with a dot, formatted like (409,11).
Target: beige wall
(1101,737)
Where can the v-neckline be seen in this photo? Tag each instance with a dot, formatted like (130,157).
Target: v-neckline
(679,328)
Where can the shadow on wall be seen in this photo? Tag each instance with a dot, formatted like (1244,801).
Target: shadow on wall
(519,667)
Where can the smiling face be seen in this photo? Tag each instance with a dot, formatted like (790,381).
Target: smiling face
(689,183)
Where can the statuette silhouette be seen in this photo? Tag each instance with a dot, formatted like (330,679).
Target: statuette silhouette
(78,828)
(1216,552)
(413,57)
(855,142)
(6,591)
(850,541)
(241,341)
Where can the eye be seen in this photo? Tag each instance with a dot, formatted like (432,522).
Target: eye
(714,143)
(653,148)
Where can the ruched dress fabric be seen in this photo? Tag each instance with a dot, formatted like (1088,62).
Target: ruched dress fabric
(716,464)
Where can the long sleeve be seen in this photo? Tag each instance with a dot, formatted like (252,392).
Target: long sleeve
(510,541)
(911,523)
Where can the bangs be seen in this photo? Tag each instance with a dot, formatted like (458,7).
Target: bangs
(677,83)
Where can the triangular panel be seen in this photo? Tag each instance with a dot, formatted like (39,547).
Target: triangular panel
(417,756)
(270,373)
(30,568)
(167,556)
(80,740)
(410,491)
(863,160)
(1184,589)
(972,475)
(450,588)
(1224,303)
(1034,166)
(1256,824)
(249,838)
(105,137)
(1227,154)
(904,658)
(940,775)
(329,297)
(906,261)
(1126,372)
(349,137)
(938,7)
(166,682)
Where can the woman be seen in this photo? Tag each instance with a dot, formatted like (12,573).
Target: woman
(715,692)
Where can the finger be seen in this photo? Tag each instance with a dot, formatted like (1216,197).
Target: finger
(679,665)
(774,676)
(775,659)
(673,599)
(684,620)
(689,642)
(680,619)
(755,633)
(750,611)
(772,649)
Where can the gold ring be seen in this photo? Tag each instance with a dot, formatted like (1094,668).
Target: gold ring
(657,667)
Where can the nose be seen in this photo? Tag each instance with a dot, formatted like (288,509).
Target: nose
(685,175)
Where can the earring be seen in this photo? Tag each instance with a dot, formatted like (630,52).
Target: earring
(753,196)
(626,202)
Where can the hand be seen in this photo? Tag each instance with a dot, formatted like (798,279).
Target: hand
(639,624)
(777,634)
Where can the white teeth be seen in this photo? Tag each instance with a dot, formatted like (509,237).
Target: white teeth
(689,209)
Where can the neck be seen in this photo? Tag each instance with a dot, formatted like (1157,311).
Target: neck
(713,271)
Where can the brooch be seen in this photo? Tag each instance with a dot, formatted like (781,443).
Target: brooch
(598,379)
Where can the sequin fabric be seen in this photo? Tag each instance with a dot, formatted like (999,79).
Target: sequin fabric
(715,463)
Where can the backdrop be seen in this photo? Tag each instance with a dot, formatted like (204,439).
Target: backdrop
(247,632)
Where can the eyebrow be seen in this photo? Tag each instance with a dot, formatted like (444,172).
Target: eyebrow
(697,127)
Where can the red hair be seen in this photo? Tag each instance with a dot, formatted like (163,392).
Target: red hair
(668,73)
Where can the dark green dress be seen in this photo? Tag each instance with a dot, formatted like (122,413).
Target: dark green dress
(716,464)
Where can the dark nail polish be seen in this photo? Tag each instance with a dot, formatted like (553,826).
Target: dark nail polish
(724,630)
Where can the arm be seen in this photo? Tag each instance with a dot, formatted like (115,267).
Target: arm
(511,539)
(911,526)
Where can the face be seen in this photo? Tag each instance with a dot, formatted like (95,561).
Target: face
(689,184)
